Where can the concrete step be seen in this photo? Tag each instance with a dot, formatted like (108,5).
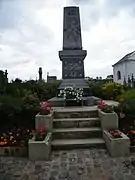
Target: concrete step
(77,133)
(76,122)
(66,144)
(75,113)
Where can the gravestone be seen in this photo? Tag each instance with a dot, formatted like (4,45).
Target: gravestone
(72,55)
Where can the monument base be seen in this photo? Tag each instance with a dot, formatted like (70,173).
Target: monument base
(78,83)
(86,101)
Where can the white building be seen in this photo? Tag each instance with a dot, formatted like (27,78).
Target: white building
(124,68)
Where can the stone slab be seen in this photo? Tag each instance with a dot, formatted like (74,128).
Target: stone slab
(87,101)
(76,122)
(77,143)
(77,133)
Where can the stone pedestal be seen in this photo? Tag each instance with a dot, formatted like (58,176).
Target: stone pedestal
(72,55)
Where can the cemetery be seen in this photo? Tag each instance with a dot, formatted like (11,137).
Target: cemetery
(48,122)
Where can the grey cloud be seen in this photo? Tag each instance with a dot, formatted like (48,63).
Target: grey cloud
(94,10)
(10,13)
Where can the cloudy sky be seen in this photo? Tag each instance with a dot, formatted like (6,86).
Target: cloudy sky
(31,35)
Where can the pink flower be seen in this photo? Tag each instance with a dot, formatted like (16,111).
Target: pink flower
(102,105)
(32,132)
(45,108)
(41,128)
(45,105)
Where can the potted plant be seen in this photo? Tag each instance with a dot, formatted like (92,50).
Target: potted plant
(72,96)
(118,144)
(108,118)
(40,144)
(45,117)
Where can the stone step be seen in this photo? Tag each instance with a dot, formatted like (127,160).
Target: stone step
(77,133)
(76,122)
(75,113)
(66,144)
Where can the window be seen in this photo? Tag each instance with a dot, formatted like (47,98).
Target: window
(118,75)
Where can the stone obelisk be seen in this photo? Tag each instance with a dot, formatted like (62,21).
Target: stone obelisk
(72,55)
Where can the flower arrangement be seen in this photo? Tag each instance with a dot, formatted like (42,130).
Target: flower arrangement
(15,137)
(71,93)
(45,108)
(105,108)
(115,133)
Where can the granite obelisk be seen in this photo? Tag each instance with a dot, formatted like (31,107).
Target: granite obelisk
(72,55)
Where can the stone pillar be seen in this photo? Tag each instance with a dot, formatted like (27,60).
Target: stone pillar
(40,74)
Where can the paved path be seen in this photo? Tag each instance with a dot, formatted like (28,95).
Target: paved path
(70,165)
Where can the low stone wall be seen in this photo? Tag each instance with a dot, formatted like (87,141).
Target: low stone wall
(40,150)
(14,151)
(117,146)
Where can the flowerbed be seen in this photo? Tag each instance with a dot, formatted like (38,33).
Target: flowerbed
(40,145)
(15,141)
(45,117)
(15,137)
(105,108)
(115,134)
(117,143)
(108,118)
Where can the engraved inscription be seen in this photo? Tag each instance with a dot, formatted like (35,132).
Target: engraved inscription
(73,70)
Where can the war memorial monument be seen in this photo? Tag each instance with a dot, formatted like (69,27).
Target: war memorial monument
(72,57)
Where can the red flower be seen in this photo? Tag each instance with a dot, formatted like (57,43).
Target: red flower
(115,133)
(45,108)
(45,105)
(102,105)
(41,128)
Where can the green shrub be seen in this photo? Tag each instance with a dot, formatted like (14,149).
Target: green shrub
(127,102)
(18,111)
(19,103)
(127,96)
(96,89)
(111,90)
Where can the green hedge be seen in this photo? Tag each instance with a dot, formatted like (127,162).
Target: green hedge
(20,102)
